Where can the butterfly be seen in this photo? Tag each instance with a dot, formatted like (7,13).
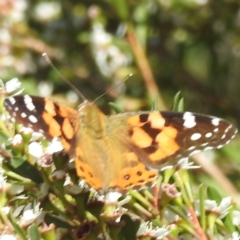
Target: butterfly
(120,151)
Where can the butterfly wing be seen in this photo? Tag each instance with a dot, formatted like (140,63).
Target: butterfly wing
(45,116)
(163,138)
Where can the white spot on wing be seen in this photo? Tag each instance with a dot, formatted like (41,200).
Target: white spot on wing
(208,148)
(12,100)
(32,119)
(227,129)
(23,115)
(29,103)
(223,136)
(195,136)
(16,109)
(195,151)
(191,148)
(215,121)
(189,120)
(215,130)
(208,135)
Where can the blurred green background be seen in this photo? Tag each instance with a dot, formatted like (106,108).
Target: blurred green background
(192,46)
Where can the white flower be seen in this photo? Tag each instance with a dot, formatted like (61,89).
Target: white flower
(236,218)
(113,196)
(235,236)
(47,10)
(108,57)
(5,210)
(73,190)
(160,233)
(183,163)
(210,205)
(12,85)
(36,136)
(224,206)
(171,216)
(16,189)
(3,184)
(7,237)
(45,89)
(6,37)
(18,12)
(146,229)
(30,215)
(35,149)
(26,130)
(17,140)
(54,146)
(99,36)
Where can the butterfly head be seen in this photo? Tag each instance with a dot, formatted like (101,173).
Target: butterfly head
(90,115)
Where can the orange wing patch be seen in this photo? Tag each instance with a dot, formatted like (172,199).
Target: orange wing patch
(63,123)
(49,107)
(149,133)
(84,171)
(54,130)
(67,129)
(134,177)
(167,145)
(140,137)
(156,120)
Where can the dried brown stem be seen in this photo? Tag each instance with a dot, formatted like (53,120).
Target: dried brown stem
(144,67)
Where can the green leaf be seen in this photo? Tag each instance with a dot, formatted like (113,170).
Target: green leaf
(34,233)
(154,106)
(115,107)
(129,230)
(122,8)
(57,221)
(3,138)
(25,169)
(214,194)
(178,104)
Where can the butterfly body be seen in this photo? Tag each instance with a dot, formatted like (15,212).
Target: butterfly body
(120,151)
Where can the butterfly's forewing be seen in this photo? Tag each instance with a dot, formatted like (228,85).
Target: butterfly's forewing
(166,137)
(45,116)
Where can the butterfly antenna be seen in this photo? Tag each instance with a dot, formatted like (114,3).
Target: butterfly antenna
(47,59)
(126,78)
